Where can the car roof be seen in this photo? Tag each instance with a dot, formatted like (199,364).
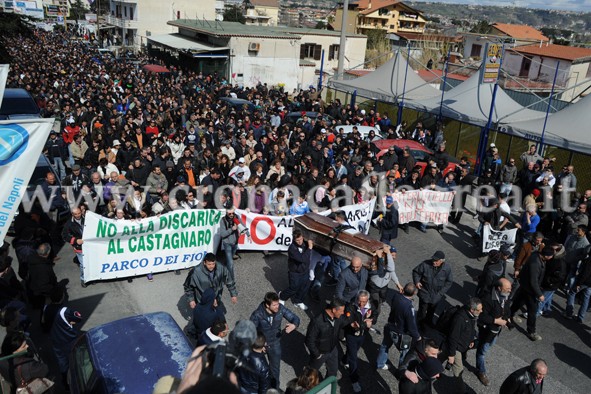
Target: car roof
(131,354)
(236,100)
(18,103)
(414,145)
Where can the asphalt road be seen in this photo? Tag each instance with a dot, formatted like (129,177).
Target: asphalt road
(565,345)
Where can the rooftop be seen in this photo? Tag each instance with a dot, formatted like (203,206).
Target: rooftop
(523,32)
(265,3)
(563,52)
(236,29)
(429,37)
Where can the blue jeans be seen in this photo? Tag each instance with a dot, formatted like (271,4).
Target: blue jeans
(506,188)
(572,274)
(546,305)
(80,257)
(483,348)
(59,167)
(274,356)
(570,301)
(389,338)
(230,251)
(337,265)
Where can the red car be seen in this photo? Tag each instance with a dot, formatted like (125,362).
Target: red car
(421,153)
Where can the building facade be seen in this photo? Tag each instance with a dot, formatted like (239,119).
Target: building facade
(131,21)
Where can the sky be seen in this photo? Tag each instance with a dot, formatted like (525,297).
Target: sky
(568,5)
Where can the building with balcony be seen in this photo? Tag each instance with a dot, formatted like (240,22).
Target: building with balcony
(263,12)
(392,16)
(513,35)
(249,54)
(130,21)
(534,67)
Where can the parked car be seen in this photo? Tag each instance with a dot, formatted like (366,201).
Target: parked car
(296,117)
(239,104)
(128,355)
(18,104)
(421,154)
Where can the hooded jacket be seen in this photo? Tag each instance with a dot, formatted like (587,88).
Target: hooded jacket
(205,314)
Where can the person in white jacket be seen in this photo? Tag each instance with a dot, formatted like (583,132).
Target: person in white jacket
(176,147)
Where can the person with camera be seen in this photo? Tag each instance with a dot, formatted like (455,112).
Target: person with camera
(401,329)
(206,275)
(268,318)
(255,376)
(229,233)
(360,318)
(322,336)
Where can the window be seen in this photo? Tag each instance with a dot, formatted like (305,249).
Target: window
(310,51)
(476,50)
(333,52)
(525,66)
(83,365)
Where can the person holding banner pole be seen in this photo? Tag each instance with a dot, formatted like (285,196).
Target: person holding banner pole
(72,234)
(229,234)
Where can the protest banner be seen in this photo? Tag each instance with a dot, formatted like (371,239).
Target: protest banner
(118,249)
(492,239)
(273,233)
(426,206)
(20,147)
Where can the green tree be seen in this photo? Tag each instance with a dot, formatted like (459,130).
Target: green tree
(233,13)
(12,25)
(482,27)
(320,25)
(77,10)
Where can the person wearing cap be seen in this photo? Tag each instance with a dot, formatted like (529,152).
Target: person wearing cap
(530,292)
(401,329)
(380,276)
(64,334)
(495,315)
(433,278)
(425,372)
(242,168)
(388,223)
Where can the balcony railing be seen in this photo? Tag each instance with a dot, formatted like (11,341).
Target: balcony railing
(122,22)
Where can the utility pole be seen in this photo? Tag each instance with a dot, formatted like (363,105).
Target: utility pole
(341,64)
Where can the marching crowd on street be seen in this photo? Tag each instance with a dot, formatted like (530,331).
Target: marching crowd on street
(133,144)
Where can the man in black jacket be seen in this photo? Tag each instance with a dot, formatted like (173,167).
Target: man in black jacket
(401,322)
(527,379)
(360,318)
(460,339)
(389,222)
(322,337)
(254,377)
(495,315)
(298,270)
(41,280)
(420,351)
(433,278)
(72,234)
(554,277)
(529,292)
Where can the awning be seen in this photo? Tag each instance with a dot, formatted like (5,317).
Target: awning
(156,68)
(177,41)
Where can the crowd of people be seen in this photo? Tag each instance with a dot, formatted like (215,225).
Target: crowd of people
(133,144)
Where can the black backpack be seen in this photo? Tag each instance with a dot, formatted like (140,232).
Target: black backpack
(443,324)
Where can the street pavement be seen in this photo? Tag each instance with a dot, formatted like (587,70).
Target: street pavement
(565,345)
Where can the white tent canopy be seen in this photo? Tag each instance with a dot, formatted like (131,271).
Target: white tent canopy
(566,128)
(386,83)
(470,102)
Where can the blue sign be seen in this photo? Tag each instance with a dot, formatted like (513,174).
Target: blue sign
(13,142)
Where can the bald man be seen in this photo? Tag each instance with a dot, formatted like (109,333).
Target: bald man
(351,280)
(528,379)
(495,315)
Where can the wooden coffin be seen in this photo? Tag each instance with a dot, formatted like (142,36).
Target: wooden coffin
(327,236)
